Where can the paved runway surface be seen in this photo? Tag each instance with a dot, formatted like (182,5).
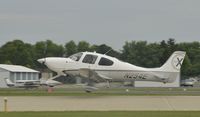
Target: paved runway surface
(100,103)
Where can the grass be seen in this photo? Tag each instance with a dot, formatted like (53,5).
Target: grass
(102,92)
(104,114)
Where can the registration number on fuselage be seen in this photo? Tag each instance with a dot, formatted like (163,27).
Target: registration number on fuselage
(141,76)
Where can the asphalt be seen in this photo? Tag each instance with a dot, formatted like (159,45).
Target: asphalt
(101,103)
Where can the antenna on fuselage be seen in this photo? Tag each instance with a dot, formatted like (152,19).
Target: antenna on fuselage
(108,51)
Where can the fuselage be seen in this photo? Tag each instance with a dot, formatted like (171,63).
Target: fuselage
(107,66)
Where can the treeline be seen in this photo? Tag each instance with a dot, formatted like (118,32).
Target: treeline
(139,53)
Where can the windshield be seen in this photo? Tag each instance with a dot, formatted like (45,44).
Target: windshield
(76,57)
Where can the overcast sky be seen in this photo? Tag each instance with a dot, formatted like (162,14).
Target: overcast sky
(99,21)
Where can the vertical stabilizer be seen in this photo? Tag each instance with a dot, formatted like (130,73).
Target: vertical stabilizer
(9,83)
(174,63)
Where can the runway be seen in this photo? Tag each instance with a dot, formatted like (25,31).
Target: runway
(102,103)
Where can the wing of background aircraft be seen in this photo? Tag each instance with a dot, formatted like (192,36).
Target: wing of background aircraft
(23,83)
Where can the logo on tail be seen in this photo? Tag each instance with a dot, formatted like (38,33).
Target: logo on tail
(174,63)
(177,61)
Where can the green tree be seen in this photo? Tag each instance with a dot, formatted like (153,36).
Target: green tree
(48,49)
(83,46)
(167,49)
(17,52)
(141,53)
(104,49)
(192,59)
(70,48)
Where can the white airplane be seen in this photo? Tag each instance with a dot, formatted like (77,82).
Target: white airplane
(102,68)
(188,82)
(27,84)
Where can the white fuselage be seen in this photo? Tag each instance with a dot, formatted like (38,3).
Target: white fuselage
(118,71)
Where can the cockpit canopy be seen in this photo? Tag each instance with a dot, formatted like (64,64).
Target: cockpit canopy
(92,58)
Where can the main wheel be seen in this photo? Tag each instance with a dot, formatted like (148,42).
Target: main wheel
(87,91)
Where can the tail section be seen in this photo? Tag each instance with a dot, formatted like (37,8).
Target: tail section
(174,63)
(170,71)
(9,83)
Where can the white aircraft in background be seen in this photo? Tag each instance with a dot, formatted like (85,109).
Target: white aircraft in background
(188,82)
(102,68)
(27,84)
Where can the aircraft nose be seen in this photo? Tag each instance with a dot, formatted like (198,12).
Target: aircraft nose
(42,60)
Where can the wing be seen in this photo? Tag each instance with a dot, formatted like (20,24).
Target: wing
(93,75)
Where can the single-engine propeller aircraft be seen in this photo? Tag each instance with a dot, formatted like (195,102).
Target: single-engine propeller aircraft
(102,68)
(27,84)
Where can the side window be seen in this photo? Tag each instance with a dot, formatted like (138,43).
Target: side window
(105,62)
(89,59)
